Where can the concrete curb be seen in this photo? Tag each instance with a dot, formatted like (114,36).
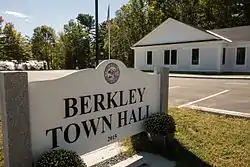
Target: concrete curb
(220,111)
(134,161)
(209,77)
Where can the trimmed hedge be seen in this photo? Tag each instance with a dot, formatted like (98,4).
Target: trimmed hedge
(60,158)
(160,124)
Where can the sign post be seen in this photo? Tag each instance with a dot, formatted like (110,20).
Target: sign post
(14,107)
(164,87)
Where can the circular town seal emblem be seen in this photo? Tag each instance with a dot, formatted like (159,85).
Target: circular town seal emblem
(112,73)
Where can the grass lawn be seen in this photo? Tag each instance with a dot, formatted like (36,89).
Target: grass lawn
(204,139)
(218,140)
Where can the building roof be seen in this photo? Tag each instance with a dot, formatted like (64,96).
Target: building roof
(235,34)
(165,34)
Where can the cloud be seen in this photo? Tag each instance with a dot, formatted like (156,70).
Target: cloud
(16,14)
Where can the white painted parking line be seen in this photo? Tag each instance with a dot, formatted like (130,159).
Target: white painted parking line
(174,87)
(237,83)
(220,111)
(205,98)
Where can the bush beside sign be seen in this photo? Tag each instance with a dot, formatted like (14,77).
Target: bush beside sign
(88,109)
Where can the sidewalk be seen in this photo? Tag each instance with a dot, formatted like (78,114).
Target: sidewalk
(242,77)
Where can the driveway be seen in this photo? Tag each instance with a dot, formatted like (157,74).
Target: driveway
(221,94)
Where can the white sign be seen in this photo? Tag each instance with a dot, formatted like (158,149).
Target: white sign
(88,109)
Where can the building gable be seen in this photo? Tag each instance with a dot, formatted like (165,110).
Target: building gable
(173,31)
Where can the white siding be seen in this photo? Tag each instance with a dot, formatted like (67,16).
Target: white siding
(209,57)
(139,59)
(229,60)
(231,53)
(184,59)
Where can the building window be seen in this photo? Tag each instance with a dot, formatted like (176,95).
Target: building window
(170,59)
(166,57)
(173,57)
(195,56)
(241,54)
(149,58)
(224,56)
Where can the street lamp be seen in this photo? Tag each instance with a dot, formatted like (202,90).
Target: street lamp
(97,33)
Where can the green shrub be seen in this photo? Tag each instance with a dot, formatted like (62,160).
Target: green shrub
(60,158)
(159,124)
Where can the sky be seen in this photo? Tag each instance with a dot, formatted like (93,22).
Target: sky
(28,14)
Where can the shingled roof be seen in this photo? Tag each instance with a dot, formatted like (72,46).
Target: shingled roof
(235,34)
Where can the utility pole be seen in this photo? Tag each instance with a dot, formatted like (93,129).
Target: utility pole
(97,33)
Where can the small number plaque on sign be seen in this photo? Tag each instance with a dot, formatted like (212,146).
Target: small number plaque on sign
(111,138)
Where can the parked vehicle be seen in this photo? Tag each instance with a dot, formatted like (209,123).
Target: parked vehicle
(28,65)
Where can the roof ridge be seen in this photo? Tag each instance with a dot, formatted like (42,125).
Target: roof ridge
(229,28)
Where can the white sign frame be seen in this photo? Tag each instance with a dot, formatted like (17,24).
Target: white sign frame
(53,128)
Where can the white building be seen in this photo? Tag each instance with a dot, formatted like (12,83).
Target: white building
(182,47)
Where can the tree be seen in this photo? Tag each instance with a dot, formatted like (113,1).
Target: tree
(76,44)
(13,44)
(104,44)
(58,54)
(241,12)
(43,43)
(1,38)
(88,23)
(130,25)
(27,46)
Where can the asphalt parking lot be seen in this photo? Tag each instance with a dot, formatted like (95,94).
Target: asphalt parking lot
(219,94)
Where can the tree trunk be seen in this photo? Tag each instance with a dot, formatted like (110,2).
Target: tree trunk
(48,64)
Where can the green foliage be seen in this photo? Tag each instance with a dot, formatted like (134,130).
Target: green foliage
(1,39)
(58,53)
(60,158)
(129,26)
(75,45)
(159,124)
(87,21)
(13,45)
(43,43)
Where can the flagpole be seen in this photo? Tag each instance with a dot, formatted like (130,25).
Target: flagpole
(109,32)
(97,33)
(109,42)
